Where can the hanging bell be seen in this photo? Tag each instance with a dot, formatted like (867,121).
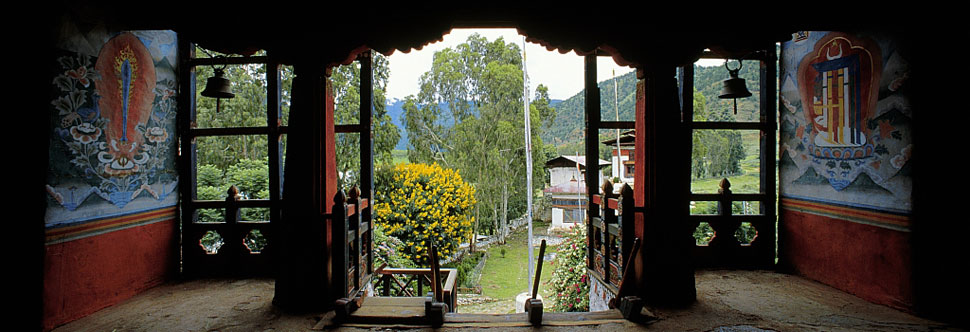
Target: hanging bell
(218,86)
(734,87)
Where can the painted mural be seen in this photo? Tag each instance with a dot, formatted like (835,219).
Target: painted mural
(113,146)
(846,127)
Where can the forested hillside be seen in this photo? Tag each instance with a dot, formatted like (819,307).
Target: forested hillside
(566,132)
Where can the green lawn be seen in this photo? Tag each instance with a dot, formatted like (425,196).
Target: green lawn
(399,156)
(505,277)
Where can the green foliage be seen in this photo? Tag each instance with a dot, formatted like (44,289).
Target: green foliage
(707,81)
(346,90)
(465,266)
(566,130)
(703,234)
(386,252)
(570,282)
(251,177)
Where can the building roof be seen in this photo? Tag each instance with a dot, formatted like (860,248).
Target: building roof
(627,138)
(571,161)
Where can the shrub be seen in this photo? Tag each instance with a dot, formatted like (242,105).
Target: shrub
(385,250)
(570,282)
(426,203)
(466,267)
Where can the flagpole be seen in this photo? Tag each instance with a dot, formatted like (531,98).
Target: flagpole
(528,160)
(616,106)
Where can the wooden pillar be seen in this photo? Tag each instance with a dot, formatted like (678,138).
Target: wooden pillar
(765,245)
(367,143)
(663,268)
(592,96)
(304,276)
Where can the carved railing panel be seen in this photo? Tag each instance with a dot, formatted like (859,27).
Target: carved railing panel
(725,248)
(414,282)
(352,241)
(611,235)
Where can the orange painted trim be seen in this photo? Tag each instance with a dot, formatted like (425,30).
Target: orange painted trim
(849,213)
(107,224)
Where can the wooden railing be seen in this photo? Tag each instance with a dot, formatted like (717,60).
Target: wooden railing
(352,243)
(228,246)
(412,282)
(611,237)
(725,249)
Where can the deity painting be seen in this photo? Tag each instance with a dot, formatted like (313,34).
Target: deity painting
(112,148)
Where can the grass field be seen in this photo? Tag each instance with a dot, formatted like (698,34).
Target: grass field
(400,156)
(505,277)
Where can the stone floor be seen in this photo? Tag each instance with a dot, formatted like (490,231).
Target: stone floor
(726,301)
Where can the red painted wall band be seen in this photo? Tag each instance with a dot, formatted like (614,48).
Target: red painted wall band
(85,275)
(874,263)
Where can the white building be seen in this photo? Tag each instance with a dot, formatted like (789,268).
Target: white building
(567,180)
(622,160)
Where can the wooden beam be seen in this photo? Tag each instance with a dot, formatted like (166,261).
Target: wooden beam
(348,128)
(195,62)
(618,124)
(722,125)
(228,131)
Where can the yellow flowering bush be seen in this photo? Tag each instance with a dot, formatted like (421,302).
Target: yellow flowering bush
(424,203)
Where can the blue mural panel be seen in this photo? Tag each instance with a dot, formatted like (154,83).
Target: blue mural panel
(112,142)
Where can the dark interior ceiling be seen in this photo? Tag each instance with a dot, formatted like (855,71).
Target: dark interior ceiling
(332,34)
(637,35)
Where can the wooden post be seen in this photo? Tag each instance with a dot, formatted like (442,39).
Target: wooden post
(233,246)
(592,94)
(435,308)
(304,275)
(664,268)
(626,218)
(765,245)
(533,305)
(724,241)
(340,253)
(366,60)
(186,160)
(609,217)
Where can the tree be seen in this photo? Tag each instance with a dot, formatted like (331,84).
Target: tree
(469,115)
(716,153)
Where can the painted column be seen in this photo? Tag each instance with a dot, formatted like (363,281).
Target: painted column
(310,179)
(663,266)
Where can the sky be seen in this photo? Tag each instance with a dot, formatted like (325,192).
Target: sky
(561,73)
